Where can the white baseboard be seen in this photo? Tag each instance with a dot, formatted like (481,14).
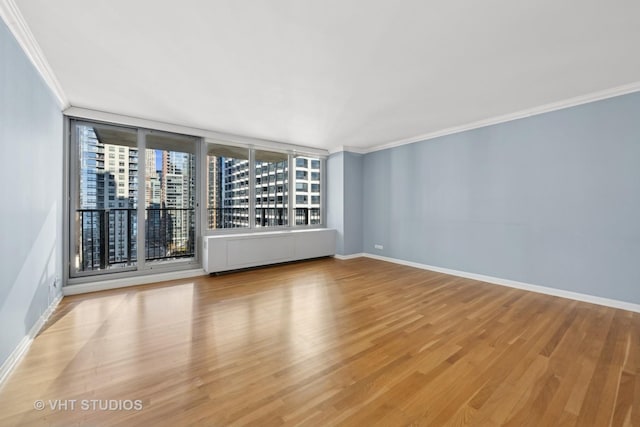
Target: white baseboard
(25,343)
(515,284)
(351,256)
(104,285)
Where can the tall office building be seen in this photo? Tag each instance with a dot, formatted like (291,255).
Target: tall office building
(178,200)
(152,179)
(214,189)
(307,203)
(229,185)
(108,195)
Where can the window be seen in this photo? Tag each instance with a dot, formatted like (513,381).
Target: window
(105,201)
(307,207)
(227,188)
(96,247)
(271,201)
(141,207)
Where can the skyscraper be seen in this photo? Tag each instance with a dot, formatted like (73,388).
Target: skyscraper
(229,185)
(177,193)
(108,196)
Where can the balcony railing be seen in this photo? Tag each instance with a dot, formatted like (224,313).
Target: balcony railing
(271,217)
(108,237)
(308,216)
(220,218)
(170,233)
(228,217)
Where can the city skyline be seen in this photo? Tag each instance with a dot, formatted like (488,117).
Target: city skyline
(109,195)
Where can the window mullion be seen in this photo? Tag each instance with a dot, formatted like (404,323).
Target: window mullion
(252,189)
(291,193)
(142,200)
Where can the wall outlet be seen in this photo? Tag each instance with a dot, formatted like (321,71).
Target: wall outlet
(378,247)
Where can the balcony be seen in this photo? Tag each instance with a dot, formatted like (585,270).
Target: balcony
(108,237)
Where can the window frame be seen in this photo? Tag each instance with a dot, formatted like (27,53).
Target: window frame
(203,137)
(142,267)
(291,194)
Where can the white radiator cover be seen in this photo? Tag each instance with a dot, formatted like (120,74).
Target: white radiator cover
(235,251)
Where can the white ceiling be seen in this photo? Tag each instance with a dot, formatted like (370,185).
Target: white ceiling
(329,73)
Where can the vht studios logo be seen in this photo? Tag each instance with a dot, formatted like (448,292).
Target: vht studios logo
(88,405)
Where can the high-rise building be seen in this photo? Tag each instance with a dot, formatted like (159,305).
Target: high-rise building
(177,200)
(152,178)
(307,203)
(229,186)
(108,197)
(214,190)
(235,194)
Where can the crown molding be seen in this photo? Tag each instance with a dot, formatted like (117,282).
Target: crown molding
(357,150)
(546,108)
(11,15)
(208,135)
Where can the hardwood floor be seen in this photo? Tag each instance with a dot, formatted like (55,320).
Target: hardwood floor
(328,342)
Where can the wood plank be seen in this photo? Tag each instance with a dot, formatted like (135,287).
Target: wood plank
(330,342)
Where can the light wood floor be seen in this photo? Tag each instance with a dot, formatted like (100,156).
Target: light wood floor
(326,342)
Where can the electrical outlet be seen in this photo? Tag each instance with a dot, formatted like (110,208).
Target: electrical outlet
(378,247)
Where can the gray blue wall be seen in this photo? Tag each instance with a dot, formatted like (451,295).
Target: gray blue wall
(550,200)
(31,192)
(335,198)
(344,200)
(353,199)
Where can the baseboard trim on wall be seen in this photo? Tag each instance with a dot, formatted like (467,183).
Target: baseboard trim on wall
(351,256)
(15,357)
(105,285)
(515,284)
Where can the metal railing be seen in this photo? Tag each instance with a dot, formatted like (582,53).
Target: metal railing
(227,217)
(219,218)
(108,237)
(169,233)
(271,217)
(308,216)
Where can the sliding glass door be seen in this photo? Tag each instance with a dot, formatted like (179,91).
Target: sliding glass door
(170,202)
(121,178)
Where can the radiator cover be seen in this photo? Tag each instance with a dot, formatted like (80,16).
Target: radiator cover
(234,251)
